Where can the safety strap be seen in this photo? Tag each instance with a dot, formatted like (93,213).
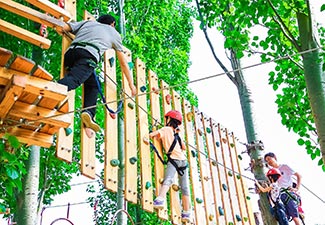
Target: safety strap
(84,44)
(120,103)
(289,196)
(180,170)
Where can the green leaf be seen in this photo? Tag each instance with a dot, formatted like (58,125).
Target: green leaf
(322,8)
(301,141)
(13,141)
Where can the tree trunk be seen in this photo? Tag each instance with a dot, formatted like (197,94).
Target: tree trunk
(27,200)
(314,76)
(254,147)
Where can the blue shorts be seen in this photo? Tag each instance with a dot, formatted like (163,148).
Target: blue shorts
(290,204)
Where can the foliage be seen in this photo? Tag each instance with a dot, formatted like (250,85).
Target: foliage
(278,39)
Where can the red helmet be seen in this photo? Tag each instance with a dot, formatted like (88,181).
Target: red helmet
(175,115)
(273,171)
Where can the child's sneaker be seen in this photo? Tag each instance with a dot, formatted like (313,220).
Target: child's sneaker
(158,203)
(89,122)
(186,217)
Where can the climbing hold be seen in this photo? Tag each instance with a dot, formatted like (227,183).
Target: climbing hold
(211,217)
(214,163)
(245,219)
(200,132)
(193,153)
(161,180)
(133,160)
(131,105)
(217,144)
(189,116)
(224,187)
(248,198)
(112,115)
(115,162)
(68,131)
(221,212)
(155,90)
(111,61)
(240,157)
(145,140)
(148,185)
(206,178)
(168,98)
(175,187)
(232,145)
(224,140)
(238,218)
(143,88)
(229,173)
(238,176)
(131,65)
(208,130)
(199,200)
(230,223)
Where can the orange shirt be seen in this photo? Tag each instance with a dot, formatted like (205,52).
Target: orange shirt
(167,138)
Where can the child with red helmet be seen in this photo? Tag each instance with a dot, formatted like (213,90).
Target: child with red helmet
(177,162)
(274,191)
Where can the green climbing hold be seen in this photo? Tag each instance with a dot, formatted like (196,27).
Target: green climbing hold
(230,223)
(68,131)
(238,218)
(111,61)
(224,187)
(143,88)
(133,160)
(208,130)
(229,173)
(199,200)
(217,144)
(240,157)
(248,198)
(232,145)
(221,212)
(115,162)
(245,219)
(193,153)
(238,176)
(148,185)
(131,105)
(131,65)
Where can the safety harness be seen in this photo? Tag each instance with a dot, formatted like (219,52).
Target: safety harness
(180,169)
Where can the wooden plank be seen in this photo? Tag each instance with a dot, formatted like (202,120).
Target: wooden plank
(111,125)
(130,142)
(223,142)
(22,64)
(245,204)
(155,122)
(64,141)
(39,114)
(34,15)
(204,167)
(197,192)
(145,156)
(24,34)
(10,94)
(5,55)
(51,8)
(30,137)
(213,171)
(87,146)
(215,166)
(40,72)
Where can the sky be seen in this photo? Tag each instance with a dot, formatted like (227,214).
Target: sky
(218,98)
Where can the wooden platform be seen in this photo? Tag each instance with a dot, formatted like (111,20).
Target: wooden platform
(28,101)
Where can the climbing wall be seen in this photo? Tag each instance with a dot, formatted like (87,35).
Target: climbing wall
(35,109)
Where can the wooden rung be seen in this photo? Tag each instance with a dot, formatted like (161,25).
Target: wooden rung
(42,73)
(51,8)
(31,14)
(30,137)
(41,115)
(22,64)
(24,34)
(5,55)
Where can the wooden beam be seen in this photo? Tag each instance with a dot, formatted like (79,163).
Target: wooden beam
(22,64)
(5,55)
(24,34)
(51,8)
(39,114)
(42,73)
(30,137)
(32,14)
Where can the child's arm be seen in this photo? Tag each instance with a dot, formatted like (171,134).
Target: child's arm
(261,188)
(154,134)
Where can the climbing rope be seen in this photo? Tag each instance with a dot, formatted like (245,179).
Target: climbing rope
(119,211)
